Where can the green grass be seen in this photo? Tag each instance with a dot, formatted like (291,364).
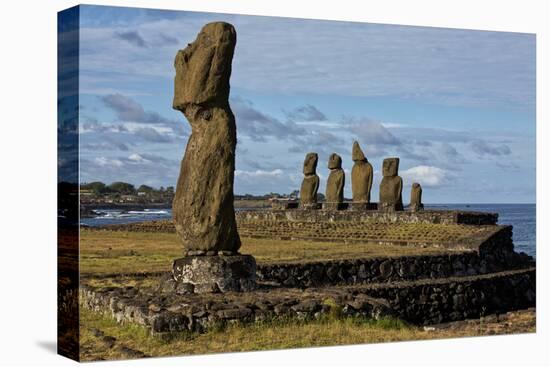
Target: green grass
(274,334)
(333,329)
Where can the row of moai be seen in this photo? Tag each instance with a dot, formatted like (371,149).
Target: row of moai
(391,186)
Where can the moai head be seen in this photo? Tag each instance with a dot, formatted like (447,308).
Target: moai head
(310,163)
(334,161)
(357,154)
(390,167)
(203,68)
(416,186)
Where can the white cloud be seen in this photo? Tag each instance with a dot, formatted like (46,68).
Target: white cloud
(428,176)
(137,158)
(259,173)
(104,161)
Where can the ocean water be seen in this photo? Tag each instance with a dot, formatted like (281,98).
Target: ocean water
(521,216)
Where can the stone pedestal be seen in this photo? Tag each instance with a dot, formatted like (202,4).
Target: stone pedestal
(311,206)
(363,206)
(209,274)
(284,205)
(335,206)
(416,208)
(386,207)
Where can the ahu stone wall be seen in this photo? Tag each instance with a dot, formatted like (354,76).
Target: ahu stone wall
(371,216)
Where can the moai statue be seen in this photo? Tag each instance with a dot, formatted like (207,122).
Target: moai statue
(203,212)
(334,195)
(416,197)
(391,186)
(310,184)
(361,178)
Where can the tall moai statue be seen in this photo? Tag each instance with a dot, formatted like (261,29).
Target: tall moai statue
(416,198)
(202,209)
(310,184)
(361,178)
(391,186)
(334,195)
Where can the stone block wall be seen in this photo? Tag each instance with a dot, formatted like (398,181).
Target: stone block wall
(371,216)
(458,299)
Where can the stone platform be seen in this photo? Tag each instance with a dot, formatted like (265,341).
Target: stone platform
(369,216)
(420,302)
(474,271)
(203,274)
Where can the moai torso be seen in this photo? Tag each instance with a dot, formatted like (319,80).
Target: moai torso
(203,210)
(416,197)
(391,186)
(361,176)
(336,180)
(310,183)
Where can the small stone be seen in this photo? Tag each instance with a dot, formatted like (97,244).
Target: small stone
(211,253)
(184,288)
(109,341)
(386,269)
(196,253)
(166,284)
(235,313)
(207,288)
(228,253)
(154,307)
(309,306)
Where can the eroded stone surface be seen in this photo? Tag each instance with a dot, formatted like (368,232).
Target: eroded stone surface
(203,210)
(361,176)
(391,186)
(310,184)
(203,274)
(336,180)
(416,197)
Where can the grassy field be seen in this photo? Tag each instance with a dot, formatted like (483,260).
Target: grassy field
(103,338)
(132,252)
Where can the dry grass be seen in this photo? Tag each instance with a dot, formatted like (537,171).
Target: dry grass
(132,252)
(280,335)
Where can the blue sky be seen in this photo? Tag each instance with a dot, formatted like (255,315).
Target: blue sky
(457,106)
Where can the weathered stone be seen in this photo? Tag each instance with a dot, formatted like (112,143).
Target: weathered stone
(336,180)
(335,206)
(167,284)
(210,273)
(307,306)
(234,313)
(227,253)
(391,186)
(184,288)
(196,253)
(284,204)
(361,176)
(203,211)
(363,206)
(386,269)
(310,184)
(416,197)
